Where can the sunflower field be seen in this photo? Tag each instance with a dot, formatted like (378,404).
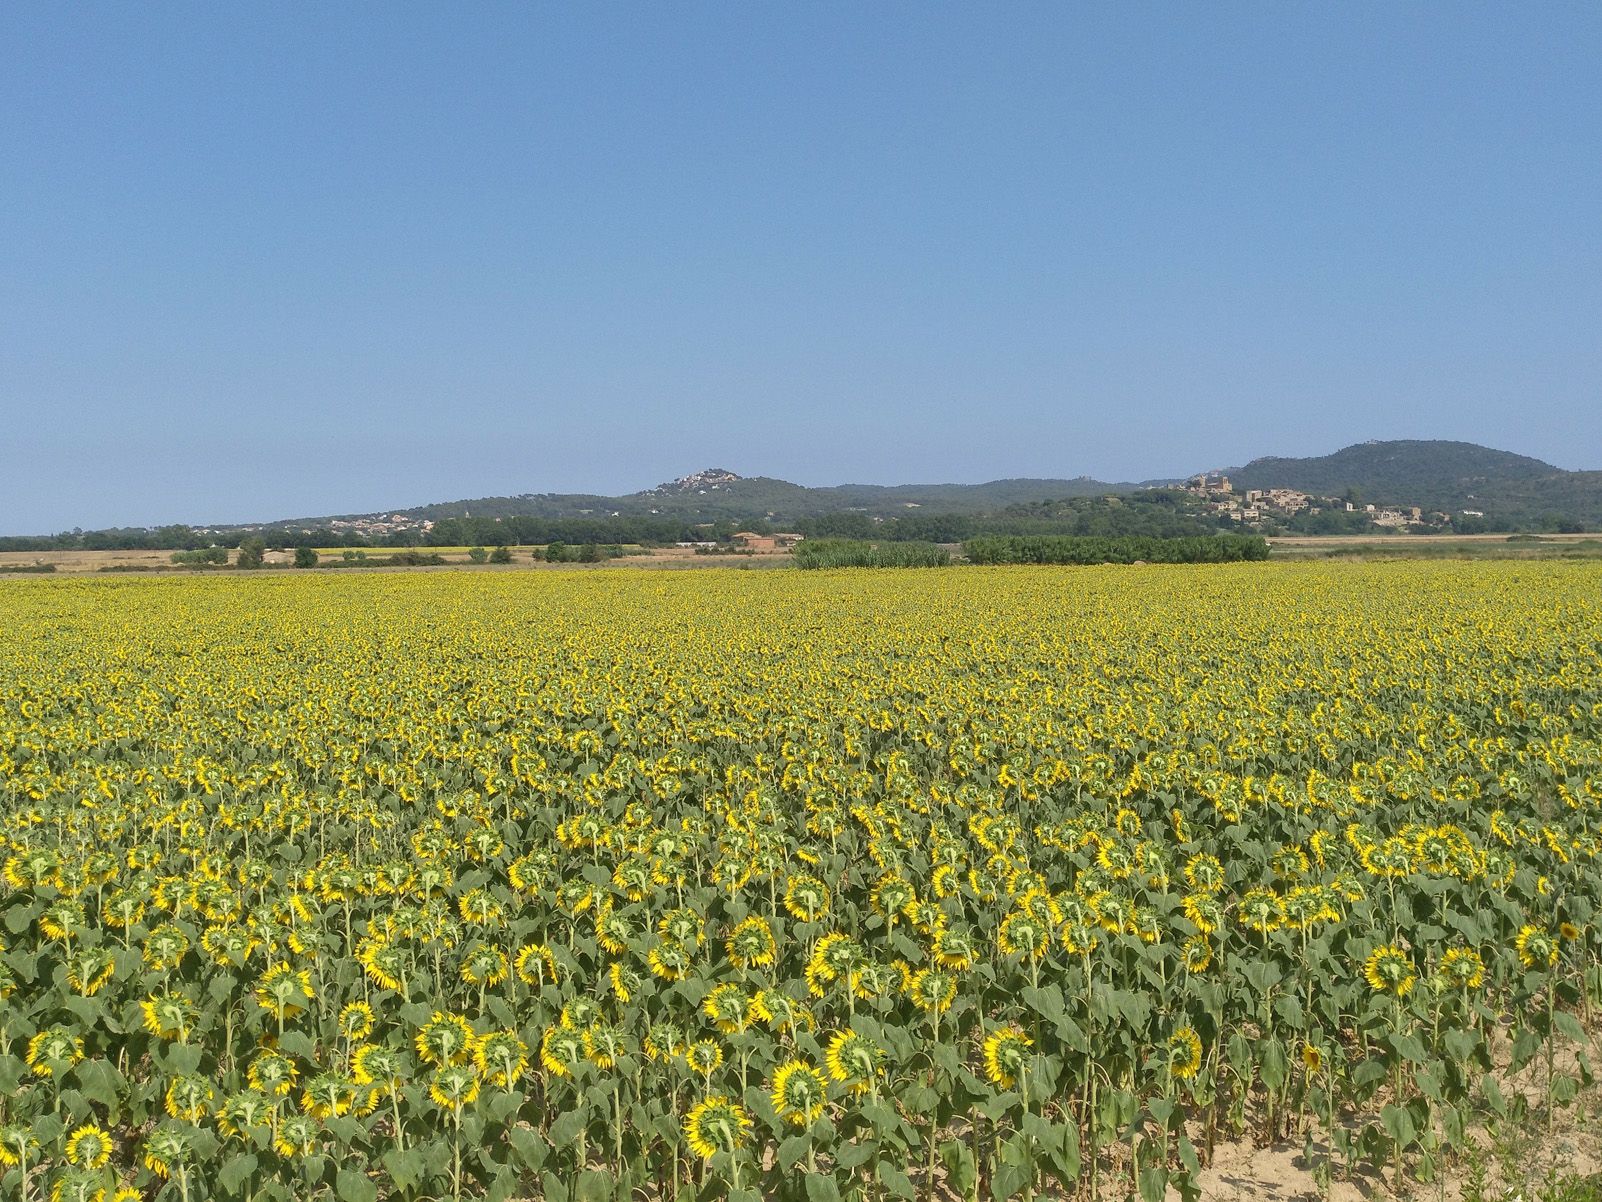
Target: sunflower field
(989,882)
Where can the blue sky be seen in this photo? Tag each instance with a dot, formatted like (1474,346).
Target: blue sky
(294,259)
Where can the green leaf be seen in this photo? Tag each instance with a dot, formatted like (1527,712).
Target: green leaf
(821,1188)
(1493,1095)
(570,1126)
(1408,1046)
(792,1149)
(894,1180)
(234,1175)
(594,1185)
(1568,1026)
(1398,1123)
(962,1174)
(353,1186)
(531,1150)
(405,1168)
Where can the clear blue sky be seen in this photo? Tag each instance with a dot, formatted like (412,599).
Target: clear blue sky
(288,259)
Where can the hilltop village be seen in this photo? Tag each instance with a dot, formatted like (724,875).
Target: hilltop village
(1282,507)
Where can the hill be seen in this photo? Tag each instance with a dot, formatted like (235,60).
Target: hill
(1512,491)
(717,494)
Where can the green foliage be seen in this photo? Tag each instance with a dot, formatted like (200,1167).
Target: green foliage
(844,553)
(1218,548)
(501,555)
(251,553)
(202,557)
(477,554)
(306,557)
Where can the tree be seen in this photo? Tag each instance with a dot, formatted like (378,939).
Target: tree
(500,555)
(251,553)
(305,557)
(477,554)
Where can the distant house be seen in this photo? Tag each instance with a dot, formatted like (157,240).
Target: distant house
(746,540)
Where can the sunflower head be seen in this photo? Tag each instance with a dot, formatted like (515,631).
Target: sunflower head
(855,1061)
(799,1093)
(1184,1052)
(1006,1052)
(89,1147)
(715,1124)
(1389,970)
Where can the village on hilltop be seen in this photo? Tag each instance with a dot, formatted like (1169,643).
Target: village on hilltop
(1257,506)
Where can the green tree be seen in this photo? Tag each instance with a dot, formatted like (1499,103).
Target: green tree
(501,555)
(477,554)
(305,557)
(251,553)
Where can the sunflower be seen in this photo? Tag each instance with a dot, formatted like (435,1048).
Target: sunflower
(445,1039)
(166,1149)
(1390,970)
(241,1112)
(1312,1058)
(1204,911)
(454,1086)
(1536,947)
(703,1057)
(356,1021)
(297,1136)
(1197,953)
(273,1074)
(16,1143)
(1261,910)
(1462,968)
(751,944)
(88,969)
(1006,1050)
(484,965)
(383,962)
(799,1093)
(603,1044)
(560,1049)
(729,1007)
(89,1147)
(188,1098)
(169,1015)
(715,1124)
(328,1095)
(806,897)
(1184,1050)
(501,1058)
(51,1047)
(535,964)
(854,1061)
(931,989)
(624,980)
(955,950)
(377,1066)
(283,991)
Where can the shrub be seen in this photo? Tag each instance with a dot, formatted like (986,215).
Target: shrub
(1069,549)
(853,553)
(305,557)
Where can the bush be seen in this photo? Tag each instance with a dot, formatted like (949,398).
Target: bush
(477,554)
(499,555)
(853,553)
(203,557)
(305,557)
(252,551)
(1054,549)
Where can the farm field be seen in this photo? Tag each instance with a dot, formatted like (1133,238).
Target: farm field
(1001,881)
